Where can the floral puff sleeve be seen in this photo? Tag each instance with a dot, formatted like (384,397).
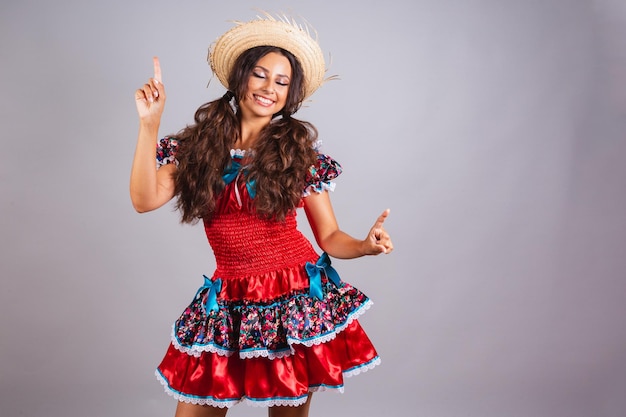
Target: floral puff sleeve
(166,152)
(321,175)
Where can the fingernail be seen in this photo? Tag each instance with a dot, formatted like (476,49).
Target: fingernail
(156,93)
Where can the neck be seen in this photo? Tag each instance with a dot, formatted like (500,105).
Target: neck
(250,130)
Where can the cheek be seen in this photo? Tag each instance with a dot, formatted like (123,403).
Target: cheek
(284,95)
(252,85)
(247,94)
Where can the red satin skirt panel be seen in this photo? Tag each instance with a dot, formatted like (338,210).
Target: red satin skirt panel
(225,380)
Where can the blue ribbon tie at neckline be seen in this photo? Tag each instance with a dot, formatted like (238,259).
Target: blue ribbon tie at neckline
(314,271)
(232,172)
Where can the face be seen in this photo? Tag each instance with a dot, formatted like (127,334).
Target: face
(267,88)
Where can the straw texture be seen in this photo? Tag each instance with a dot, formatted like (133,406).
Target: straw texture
(268,31)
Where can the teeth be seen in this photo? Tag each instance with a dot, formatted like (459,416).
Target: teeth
(264,100)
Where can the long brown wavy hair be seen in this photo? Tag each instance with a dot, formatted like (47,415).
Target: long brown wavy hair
(282,154)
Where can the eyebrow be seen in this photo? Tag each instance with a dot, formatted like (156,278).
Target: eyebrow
(266,70)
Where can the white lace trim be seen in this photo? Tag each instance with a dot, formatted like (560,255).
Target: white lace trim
(269,402)
(197,350)
(322,388)
(362,368)
(237,152)
(264,353)
(319,187)
(317,145)
(328,337)
(274,402)
(193,399)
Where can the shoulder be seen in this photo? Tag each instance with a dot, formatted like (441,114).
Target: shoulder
(321,174)
(325,167)
(167,148)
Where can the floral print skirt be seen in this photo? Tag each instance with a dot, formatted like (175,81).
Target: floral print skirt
(268,339)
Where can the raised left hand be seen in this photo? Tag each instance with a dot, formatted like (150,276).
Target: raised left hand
(378,240)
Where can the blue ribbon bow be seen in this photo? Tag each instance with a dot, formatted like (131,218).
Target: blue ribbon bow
(314,271)
(211,298)
(232,171)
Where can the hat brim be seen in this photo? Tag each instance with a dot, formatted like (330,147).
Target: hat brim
(225,51)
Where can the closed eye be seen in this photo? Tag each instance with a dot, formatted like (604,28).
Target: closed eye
(262,73)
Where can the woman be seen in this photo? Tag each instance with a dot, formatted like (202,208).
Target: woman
(274,323)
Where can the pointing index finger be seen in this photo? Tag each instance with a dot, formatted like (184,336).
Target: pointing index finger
(381,219)
(157,69)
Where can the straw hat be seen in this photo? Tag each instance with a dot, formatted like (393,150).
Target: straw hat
(269,31)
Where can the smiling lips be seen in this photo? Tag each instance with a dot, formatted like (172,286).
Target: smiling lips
(263,101)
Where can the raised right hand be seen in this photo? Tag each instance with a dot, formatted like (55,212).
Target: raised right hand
(150,99)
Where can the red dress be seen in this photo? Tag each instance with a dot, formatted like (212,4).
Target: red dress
(274,321)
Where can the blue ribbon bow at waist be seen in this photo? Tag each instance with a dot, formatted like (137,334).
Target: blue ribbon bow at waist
(314,271)
(232,172)
(211,298)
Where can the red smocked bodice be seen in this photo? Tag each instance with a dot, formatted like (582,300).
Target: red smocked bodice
(244,244)
(256,258)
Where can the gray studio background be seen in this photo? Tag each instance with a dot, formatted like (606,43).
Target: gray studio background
(494,129)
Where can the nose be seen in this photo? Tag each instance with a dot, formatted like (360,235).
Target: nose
(268,86)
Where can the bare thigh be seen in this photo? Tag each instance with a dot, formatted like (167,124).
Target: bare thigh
(194,410)
(300,411)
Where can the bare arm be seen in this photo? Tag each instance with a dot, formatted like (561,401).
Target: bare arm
(337,243)
(149,188)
